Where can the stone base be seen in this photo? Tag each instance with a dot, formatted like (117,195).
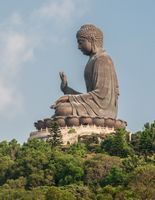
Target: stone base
(71,135)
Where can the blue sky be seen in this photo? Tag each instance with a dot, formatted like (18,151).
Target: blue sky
(37,40)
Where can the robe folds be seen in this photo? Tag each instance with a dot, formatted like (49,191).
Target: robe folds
(101,98)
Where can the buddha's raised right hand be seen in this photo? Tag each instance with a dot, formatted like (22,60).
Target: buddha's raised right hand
(64,83)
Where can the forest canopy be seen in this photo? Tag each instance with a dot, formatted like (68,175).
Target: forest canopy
(117,168)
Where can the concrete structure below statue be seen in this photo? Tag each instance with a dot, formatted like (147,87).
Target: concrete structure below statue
(74,128)
(71,135)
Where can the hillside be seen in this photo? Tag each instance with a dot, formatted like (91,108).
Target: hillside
(115,169)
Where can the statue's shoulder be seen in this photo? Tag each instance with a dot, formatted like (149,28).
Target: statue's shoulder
(103,60)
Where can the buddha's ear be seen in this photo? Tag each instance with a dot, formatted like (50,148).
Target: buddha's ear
(93,45)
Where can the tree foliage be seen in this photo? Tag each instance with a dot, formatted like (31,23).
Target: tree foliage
(56,137)
(143,182)
(115,169)
(143,142)
(117,145)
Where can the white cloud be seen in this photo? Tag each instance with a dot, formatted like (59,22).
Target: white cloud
(59,10)
(63,11)
(20,36)
(16,19)
(10,99)
(16,48)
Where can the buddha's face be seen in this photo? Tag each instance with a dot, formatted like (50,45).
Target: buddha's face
(85,46)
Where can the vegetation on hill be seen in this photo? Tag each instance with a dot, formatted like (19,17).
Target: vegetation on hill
(116,169)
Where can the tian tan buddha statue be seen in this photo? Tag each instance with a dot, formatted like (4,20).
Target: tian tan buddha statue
(100,77)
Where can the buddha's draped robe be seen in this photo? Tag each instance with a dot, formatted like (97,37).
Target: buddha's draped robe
(102,89)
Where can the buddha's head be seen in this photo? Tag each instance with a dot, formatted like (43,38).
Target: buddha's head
(90,38)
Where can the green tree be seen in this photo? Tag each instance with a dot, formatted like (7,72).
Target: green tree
(56,136)
(98,167)
(116,177)
(147,140)
(67,168)
(81,192)
(117,144)
(15,184)
(143,142)
(9,148)
(14,148)
(135,141)
(108,193)
(78,149)
(5,165)
(12,194)
(143,181)
(55,193)
(132,162)
(32,163)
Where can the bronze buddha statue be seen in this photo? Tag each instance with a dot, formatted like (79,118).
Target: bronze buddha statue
(101,98)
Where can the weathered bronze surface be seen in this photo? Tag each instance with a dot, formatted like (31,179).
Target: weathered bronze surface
(100,77)
(71,120)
